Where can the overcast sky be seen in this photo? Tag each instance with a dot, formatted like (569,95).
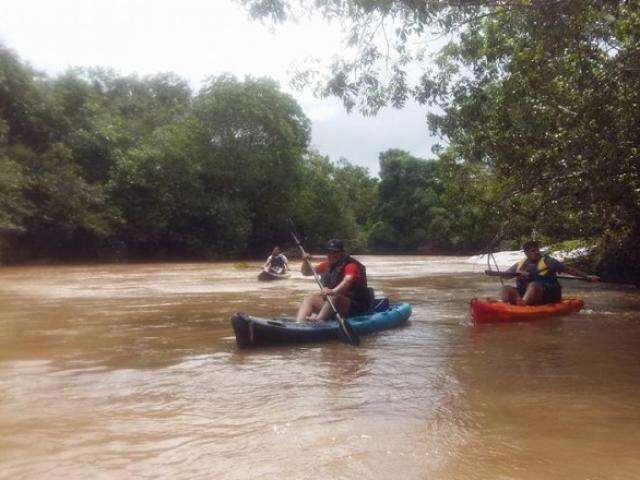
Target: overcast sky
(196,39)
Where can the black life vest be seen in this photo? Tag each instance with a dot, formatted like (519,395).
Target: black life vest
(334,274)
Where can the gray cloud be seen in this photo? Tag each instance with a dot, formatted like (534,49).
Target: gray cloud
(360,139)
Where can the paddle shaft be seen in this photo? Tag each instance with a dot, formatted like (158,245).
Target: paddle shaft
(493,273)
(346,330)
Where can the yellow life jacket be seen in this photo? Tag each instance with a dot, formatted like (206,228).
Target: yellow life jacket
(542,273)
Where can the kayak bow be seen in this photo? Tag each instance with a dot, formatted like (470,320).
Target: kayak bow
(266,275)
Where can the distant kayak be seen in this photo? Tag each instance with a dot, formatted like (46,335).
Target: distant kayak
(494,311)
(266,275)
(255,331)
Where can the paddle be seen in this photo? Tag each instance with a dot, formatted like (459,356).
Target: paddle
(345,327)
(494,273)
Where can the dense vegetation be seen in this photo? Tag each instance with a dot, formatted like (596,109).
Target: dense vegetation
(537,103)
(100,166)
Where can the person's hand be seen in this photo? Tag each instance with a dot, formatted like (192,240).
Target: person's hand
(306,256)
(326,292)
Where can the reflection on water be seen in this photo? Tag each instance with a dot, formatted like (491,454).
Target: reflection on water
(132,371)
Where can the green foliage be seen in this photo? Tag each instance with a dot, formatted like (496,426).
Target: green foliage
(323,209)
(93,162)
(382,236)
(139,167)
(618,257)
(552,110)
(409,191)
(25,111)
(69,216)
(253,138)
(13,205)
(379,44)
(42,194)
(106,115)
(359,188)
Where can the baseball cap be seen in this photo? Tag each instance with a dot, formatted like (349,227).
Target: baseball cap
(335,245)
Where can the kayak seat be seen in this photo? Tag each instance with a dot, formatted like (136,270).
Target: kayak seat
(380,305)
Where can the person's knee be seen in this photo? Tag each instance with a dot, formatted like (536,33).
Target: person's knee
(534,288)
(508,293)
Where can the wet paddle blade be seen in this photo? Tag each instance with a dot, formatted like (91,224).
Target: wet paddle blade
(348,333)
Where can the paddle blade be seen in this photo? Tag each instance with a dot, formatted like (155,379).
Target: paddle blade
(348,333)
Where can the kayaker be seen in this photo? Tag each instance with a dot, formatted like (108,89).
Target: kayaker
(277,262)
(536,278)
(345,281)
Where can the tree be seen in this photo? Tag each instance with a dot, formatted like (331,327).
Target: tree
(556,117)
(469,212)
(409,190)
(70,217)
(43,195)
(220,180)
(360,188)
(323,208)
(166,205)
(13,206)
(106,115)
(25,109)
(253,139)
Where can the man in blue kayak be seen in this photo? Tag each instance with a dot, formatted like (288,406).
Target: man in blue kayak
(344,279)
(536,278)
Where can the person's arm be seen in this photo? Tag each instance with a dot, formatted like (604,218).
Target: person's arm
(561,267)
(351,272)
(511,272)
(267,263)
(341,289)
(285,264)
(305,267)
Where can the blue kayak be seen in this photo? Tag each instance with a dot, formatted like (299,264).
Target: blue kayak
(254,331)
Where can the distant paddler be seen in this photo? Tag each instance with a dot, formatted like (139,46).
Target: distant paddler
(537,279)
(276,266)
(277,262)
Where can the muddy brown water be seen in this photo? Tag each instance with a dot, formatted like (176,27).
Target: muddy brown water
(131,371)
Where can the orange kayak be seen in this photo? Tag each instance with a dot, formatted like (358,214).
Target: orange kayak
(493,311)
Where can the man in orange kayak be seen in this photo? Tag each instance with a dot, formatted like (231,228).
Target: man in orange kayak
(344,279)
(536,278)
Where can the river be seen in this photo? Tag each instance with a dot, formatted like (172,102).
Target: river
(131,371)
